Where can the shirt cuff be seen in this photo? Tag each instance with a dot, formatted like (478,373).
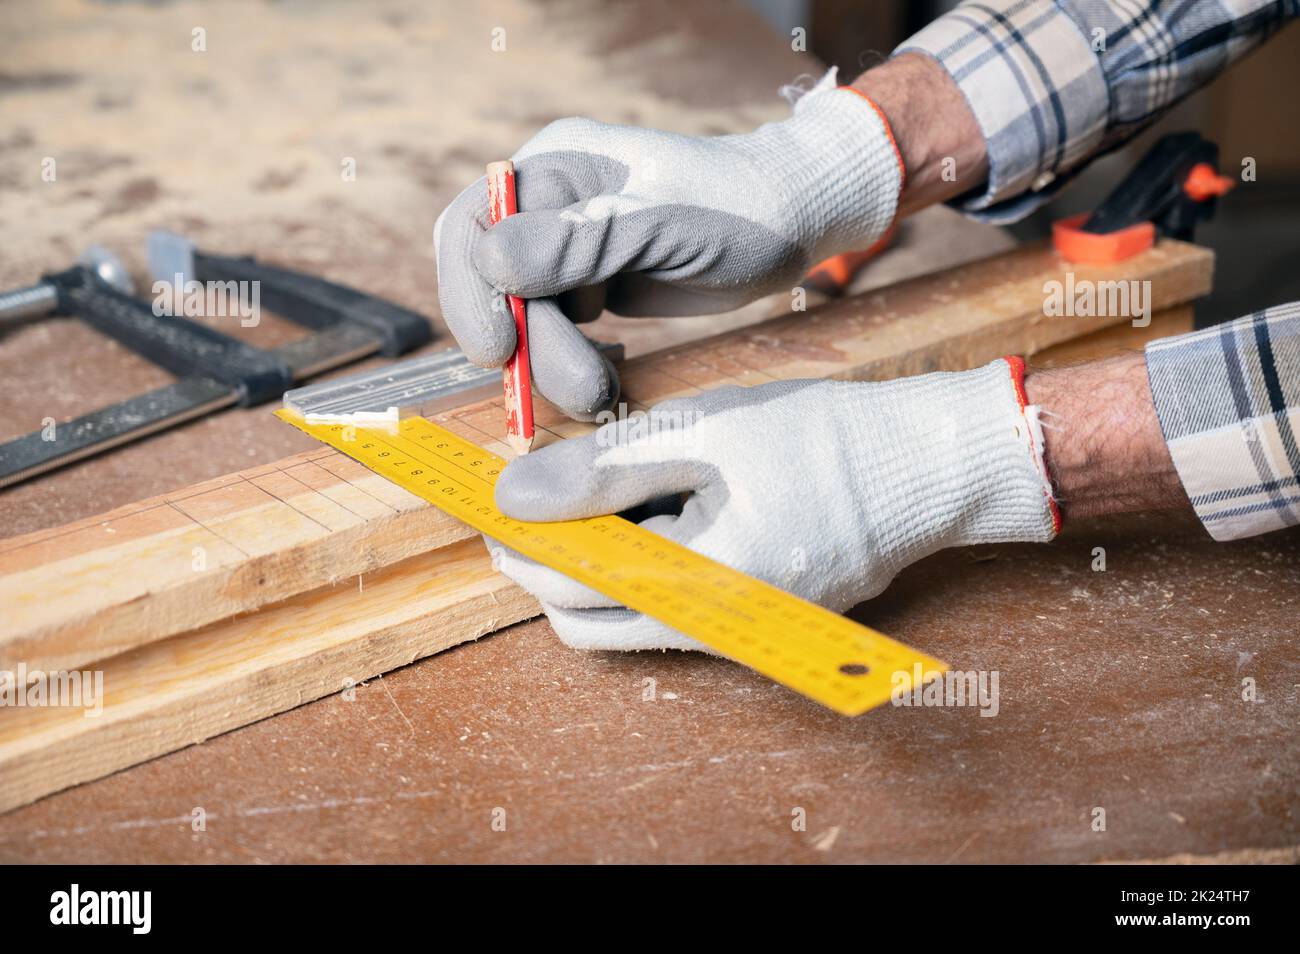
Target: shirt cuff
(1228,399)
(1036,88)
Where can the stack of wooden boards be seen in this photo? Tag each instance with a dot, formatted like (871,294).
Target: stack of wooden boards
(229,601)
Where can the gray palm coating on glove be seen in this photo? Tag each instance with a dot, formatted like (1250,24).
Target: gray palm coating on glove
(644,222)
(825,489)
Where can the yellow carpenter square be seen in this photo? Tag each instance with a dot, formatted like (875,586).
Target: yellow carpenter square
(823,655)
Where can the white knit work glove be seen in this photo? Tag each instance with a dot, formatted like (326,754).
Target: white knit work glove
(825,489)
(644,222)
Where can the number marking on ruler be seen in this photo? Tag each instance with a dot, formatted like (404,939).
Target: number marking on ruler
(821,654)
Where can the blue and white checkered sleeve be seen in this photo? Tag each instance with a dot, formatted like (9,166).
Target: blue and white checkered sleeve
(1053,84)
(1228,399)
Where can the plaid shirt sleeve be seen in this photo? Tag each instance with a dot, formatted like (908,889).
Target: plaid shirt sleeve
(1228,399)
(1053,84)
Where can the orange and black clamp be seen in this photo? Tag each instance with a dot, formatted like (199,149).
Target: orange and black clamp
(1172,189)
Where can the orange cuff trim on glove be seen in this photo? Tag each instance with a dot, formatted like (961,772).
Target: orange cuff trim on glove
(1016,365)
(889,131)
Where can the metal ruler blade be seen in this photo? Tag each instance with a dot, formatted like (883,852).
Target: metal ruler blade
(421,386)
(821,654)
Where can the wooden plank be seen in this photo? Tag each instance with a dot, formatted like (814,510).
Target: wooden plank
(244,541)
(183,690)
(1112,341)
(102,586)
(169,693)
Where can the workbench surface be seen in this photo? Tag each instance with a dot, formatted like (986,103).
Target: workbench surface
(1118,689)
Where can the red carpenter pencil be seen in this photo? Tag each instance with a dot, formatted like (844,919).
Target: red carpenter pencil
(517,373)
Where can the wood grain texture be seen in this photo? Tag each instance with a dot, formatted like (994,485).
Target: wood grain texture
(1122,688)
(184,690)
(1112,341)
(102,586)
(157,596)
(1119,689)
(105,585)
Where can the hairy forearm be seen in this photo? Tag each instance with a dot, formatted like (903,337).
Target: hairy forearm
(936,132)
(1104,448)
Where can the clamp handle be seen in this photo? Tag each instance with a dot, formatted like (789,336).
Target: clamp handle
(317,303)
(1170,191)
(1156,190)
(179,345)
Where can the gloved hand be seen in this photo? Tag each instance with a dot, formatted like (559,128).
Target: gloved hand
(653,223)
(826,489)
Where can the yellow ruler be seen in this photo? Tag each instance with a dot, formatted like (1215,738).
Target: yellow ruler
(823,655)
